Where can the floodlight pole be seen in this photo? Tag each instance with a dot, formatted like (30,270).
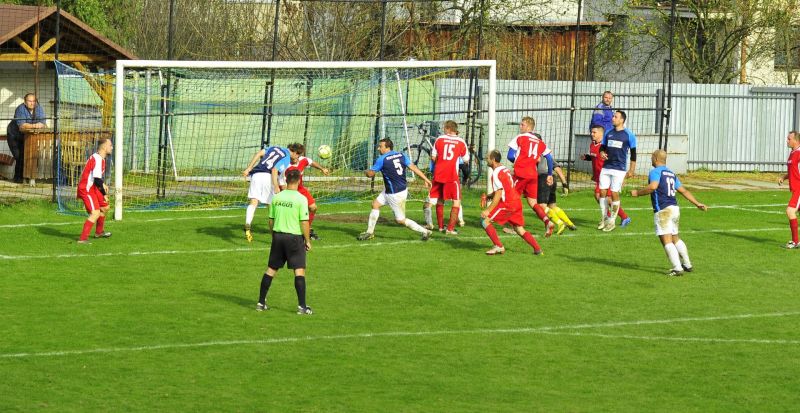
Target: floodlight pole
(572,108)
(378,111)
(670,72)
(269,90)
(56,93)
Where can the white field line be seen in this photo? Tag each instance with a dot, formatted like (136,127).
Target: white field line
(79,220)
(683,339)
(553,330)
(368,244)
(760,211)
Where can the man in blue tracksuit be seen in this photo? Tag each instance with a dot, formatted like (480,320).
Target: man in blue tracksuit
(603,112)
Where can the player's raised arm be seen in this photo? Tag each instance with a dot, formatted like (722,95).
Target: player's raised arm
(420,174)
(689,197)
(325,171)
(652,186)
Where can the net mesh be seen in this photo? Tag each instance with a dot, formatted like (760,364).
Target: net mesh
(189,133)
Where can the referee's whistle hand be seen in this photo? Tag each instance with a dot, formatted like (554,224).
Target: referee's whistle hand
(308,245)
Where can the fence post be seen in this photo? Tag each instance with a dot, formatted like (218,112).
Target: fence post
(797,110)
(659,115)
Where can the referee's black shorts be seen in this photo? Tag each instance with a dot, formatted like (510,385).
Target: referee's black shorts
(287,249)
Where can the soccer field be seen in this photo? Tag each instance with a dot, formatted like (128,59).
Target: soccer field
(161,316)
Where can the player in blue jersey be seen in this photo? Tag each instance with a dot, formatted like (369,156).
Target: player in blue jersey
(392,165)
(614,151)
(662,187)
(263,171)
(603,113)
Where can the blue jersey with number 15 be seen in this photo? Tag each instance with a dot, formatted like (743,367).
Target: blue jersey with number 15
(393,167)
(668,185)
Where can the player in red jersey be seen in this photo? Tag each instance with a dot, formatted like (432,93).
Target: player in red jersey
(793,175)
(94,192)
(526,150)
(506,206)
(593,156)
(300,162)
(447,150)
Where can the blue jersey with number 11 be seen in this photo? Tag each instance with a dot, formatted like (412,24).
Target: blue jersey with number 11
(668,185)
(392,165)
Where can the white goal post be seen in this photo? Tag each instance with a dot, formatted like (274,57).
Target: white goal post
(123,65)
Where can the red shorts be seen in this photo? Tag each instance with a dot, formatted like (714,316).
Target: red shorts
(501,215)
(527,187)
(794,201)
(303,191)
(445,191)
(93,200)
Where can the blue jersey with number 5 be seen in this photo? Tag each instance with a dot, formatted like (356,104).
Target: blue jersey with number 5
(393,167)
(668,185)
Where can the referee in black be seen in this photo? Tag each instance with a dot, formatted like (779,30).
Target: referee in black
(288,221)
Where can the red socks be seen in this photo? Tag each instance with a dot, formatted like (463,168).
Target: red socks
(453,218)
(540,212)
(87,227)
(531,241)
(793,226)
(492,233)
(100,228)
(440,215)
(621,213)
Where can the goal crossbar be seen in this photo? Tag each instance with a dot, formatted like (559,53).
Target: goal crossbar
(122,65)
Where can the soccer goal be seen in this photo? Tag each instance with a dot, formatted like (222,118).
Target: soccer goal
(185,130)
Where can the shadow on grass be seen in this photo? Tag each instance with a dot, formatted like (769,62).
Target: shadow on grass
(240,301)
(71,234)
(232,233)
(322,228)
(622,265)
(745,237)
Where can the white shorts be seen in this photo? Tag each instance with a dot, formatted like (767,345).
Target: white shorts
(260,187)
(611,179)
(397,202)
(667,220)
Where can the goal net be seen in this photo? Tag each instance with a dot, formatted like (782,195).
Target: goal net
(185,131)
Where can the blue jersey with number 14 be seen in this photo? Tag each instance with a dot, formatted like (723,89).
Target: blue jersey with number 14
(668,184)
(274,157)
(393,167)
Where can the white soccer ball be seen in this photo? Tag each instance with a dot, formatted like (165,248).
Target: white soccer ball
(324,151)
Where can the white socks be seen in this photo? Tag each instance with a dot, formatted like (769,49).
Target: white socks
(614,210)
(373,219)
(428,216)
(684,253)
(414,226)
(251,212)
(674,258)
(604,208)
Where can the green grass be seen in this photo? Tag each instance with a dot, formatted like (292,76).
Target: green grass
(161,317)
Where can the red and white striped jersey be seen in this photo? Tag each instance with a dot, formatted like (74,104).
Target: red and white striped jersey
(502,180)
(793,165)
(529,148)
(302,164)
(95,168)
(447,150)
